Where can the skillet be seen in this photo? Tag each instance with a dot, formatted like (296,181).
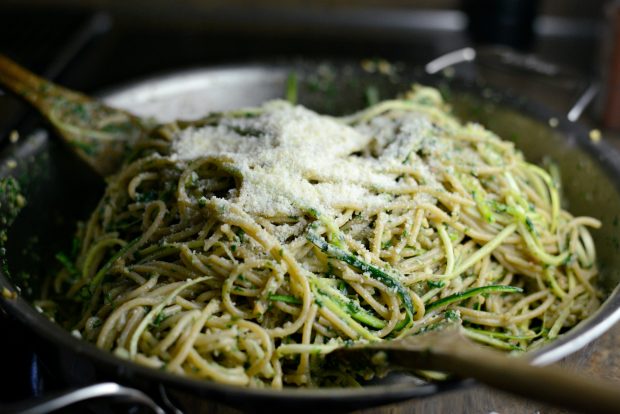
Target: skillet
(60,189)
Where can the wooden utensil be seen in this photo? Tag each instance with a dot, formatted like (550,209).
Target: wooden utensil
(99,134)
(447,350)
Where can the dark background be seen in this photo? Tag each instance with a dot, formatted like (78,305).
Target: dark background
(144,36)
(95,44)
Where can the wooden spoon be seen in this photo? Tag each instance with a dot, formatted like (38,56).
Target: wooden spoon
(99,134)
(447,350)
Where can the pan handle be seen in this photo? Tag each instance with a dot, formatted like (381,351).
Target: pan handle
(57,401)
(519,61)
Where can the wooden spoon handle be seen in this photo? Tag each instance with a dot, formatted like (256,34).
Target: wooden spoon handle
(99,134)
(548,384)
(36,90)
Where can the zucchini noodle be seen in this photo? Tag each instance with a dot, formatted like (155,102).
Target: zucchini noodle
(244,247)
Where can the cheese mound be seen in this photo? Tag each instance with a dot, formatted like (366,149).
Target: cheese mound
(291,159)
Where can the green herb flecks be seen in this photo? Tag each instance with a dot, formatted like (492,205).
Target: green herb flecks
(351,307)
(102,272)
(435,284)
(293,300)
(458,297)
(67,263)
(366,268)
(291,88)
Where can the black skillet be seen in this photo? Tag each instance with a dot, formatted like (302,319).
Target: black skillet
(61,189)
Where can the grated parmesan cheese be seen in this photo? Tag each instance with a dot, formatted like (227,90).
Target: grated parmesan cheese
(292,159)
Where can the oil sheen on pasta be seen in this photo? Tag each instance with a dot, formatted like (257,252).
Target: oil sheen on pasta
(243,247)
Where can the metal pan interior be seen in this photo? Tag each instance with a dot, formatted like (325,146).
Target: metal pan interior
(61,190)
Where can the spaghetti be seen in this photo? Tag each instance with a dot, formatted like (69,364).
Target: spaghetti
(242,247)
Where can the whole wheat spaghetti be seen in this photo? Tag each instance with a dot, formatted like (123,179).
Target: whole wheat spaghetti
(242,248)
